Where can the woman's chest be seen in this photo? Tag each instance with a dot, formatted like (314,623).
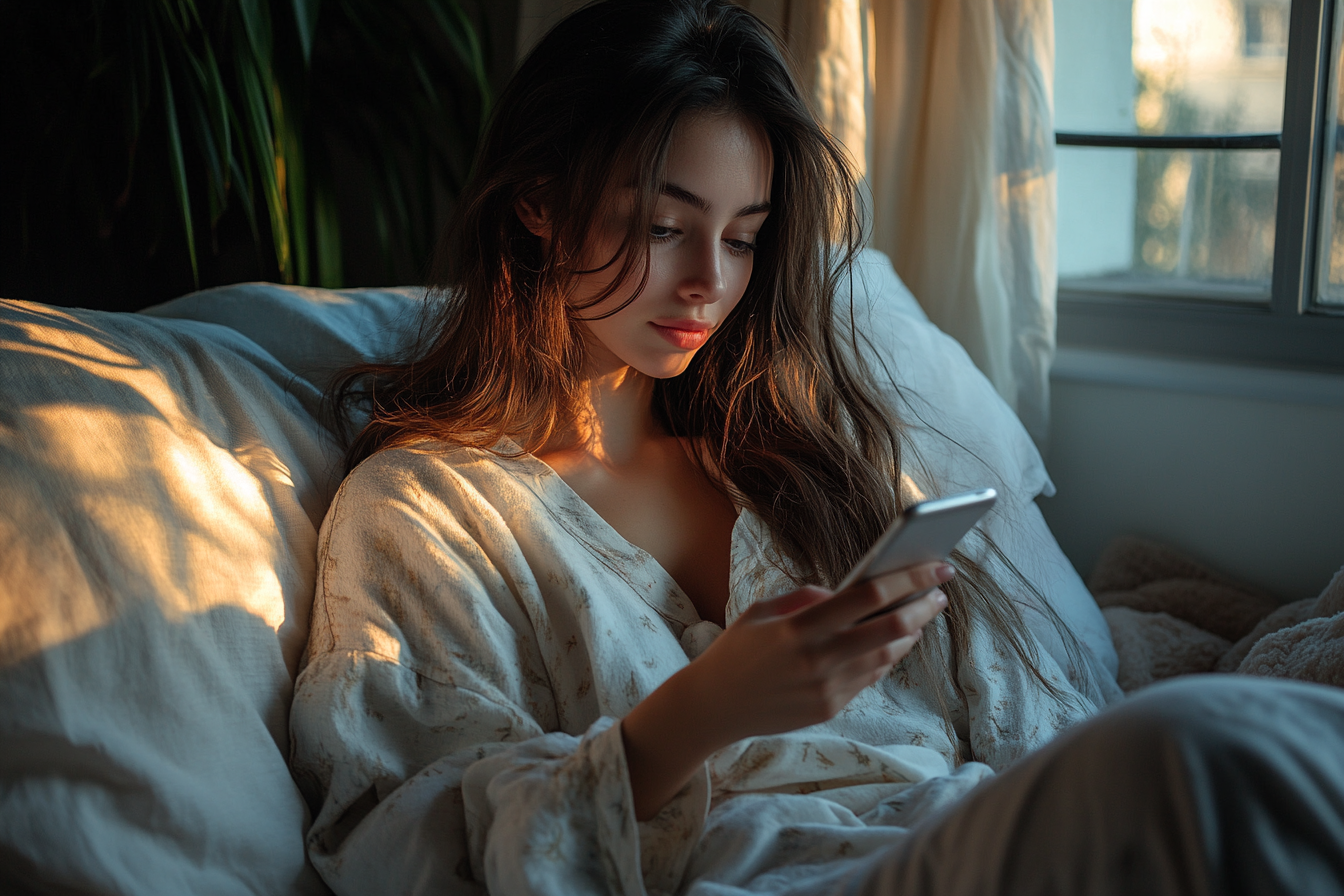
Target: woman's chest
(665,506)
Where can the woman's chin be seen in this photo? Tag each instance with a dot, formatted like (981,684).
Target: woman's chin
(666,368)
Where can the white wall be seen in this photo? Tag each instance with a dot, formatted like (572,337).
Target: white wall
(1239,467)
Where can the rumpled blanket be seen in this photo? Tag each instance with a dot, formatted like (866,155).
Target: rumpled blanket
(1170,615)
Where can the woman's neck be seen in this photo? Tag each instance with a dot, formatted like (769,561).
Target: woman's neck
(614,420)
(645,485)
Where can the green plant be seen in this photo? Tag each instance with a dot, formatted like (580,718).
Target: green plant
(157,117)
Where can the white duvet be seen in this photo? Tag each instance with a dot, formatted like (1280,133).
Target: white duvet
(478,631)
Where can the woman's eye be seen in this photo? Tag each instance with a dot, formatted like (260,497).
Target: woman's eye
(660,232)
(740,247)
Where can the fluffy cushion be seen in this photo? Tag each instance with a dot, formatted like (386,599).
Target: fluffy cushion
(1154,646)
(162,478)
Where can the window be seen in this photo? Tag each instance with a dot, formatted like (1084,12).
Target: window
(1201,191)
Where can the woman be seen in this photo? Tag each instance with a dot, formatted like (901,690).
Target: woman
(572,632)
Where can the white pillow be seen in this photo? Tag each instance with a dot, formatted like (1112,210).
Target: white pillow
(161,485)
(960,435)
(312,332)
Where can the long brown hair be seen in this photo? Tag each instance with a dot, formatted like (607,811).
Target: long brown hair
(778,400)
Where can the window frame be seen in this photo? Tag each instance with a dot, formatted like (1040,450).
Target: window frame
(1201,322)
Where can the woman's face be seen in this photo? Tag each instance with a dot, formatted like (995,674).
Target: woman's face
(701,240)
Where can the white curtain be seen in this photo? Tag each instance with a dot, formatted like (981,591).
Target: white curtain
(946,107)
(963,179)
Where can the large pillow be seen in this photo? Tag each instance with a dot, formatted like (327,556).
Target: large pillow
(161,485)
(959,435)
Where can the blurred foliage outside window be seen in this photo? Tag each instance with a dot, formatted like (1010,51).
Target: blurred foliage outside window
(1208,67)
(1196,67)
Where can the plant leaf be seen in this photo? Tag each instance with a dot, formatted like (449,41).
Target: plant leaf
(245,187)
(256,121)
(218,100)
(327,230)
(305,16)
(457,27)
(289,148)
(196,112)
(256,18)
(177,164)
(204,117)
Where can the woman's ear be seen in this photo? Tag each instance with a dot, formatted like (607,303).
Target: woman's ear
(533,215)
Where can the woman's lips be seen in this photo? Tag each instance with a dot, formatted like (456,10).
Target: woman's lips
(687,335)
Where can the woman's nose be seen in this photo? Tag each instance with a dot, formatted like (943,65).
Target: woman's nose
(702,279)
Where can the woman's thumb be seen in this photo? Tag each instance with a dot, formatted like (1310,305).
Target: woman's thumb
(791,602)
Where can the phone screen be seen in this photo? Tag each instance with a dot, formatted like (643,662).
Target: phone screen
(925,532)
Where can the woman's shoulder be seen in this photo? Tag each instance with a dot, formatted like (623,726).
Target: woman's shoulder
(425,455)
(430,474)
(403,465)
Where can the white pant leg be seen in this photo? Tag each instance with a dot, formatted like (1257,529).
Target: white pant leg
(1208,784)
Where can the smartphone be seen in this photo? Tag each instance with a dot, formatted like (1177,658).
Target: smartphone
(927,531)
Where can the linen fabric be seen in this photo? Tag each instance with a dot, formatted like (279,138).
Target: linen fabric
(161,485)
(477,630)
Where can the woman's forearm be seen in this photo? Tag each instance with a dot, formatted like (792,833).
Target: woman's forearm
(667,739)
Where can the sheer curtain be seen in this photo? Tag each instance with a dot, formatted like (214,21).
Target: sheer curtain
(946,107)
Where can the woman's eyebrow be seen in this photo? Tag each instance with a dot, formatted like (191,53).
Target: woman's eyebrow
(681,194)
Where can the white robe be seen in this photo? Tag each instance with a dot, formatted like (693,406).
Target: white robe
(479,630)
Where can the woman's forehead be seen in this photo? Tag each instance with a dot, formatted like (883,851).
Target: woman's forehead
(715,161)
(719,161)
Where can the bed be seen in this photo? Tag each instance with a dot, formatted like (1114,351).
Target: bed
(162,479)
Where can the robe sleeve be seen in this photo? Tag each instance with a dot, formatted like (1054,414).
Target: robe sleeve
(424,726)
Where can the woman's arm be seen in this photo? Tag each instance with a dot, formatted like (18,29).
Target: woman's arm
(426,728)
(787,663)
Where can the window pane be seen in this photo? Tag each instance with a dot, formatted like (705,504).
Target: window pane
(1169,218)
(1185,223)
(1330,288)
(1170,66)
(1209,66)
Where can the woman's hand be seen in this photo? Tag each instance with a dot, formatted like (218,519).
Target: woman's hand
(798,659)
(786,663)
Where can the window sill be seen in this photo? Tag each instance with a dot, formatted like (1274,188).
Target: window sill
(1234,332)
(1280,386)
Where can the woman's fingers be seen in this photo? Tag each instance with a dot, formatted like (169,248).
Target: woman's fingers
(866,668)
(890,628)
(799,658)
(859,671)
(873,596)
